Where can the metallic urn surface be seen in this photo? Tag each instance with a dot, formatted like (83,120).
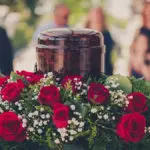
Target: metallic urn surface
(71,51)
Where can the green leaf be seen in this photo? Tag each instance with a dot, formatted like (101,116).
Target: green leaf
(15,76)
(46,108)
(141,86)
(72,147)
(99,145)
(84,111)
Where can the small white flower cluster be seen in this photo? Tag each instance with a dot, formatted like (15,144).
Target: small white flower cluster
(67,134)
(118,98)
(49,74)
(147,130)
(4,105)
(48,79)
(84,89)
(78,84)
(19,105)
(102,113)
(75,126)
(106,116)
(113,83)
(94,110)
(37,121)
(35,97)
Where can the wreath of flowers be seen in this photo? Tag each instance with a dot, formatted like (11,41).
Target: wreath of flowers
(84,112)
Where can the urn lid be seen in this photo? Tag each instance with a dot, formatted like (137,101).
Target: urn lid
(68,38)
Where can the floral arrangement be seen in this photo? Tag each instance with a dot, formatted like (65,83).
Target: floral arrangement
(51,111)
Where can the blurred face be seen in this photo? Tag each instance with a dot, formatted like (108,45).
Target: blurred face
(97,19)
(146,15)
(61,16)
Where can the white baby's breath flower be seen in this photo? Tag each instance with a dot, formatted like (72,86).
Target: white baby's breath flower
(76,123)
(130,97)
(80,117)
(63,130)
(27,138)
(72,107)
(81,124)
(93,110)
(20,108)
(16,103)
(7,107)
(57,141)
(40,123)
(78,88)
(47,116)
(108,108)
(30,115)
(59,130)
(19,116)
(43,116)
(54,134)
(105,116)
(79,129)
(40,131)
(71,138)
(24,120)
(36,113)
(45,122)
(113,118)
(57,79)
(24,125)
(35,123)
(50,74)
(73,132)
(42,109)
(99,116)
(51,82)
(69,121)
(1,110)
(31,129)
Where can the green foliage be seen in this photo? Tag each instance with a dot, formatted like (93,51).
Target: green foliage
(22,35)
(72,147)
(50,141)
(140,85)
(79,9)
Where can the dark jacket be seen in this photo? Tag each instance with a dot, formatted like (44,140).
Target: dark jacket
(109,43)
(6,53)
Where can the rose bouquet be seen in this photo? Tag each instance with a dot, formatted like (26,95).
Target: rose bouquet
(51,111)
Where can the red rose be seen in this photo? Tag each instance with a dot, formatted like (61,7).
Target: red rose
(11,127)
(3,80)
(97,93)
(31,77)
(131,127)
(137,102)
(49,95)
(11,92)
(61,115)
(71,82)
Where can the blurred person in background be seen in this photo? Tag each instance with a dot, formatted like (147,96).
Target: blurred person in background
(6,53)
(146,68)
(139,66)
(137,54)
(96,21)
(146,16)
(60,19)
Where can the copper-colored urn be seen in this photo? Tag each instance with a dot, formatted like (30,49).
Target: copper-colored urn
(71,51)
